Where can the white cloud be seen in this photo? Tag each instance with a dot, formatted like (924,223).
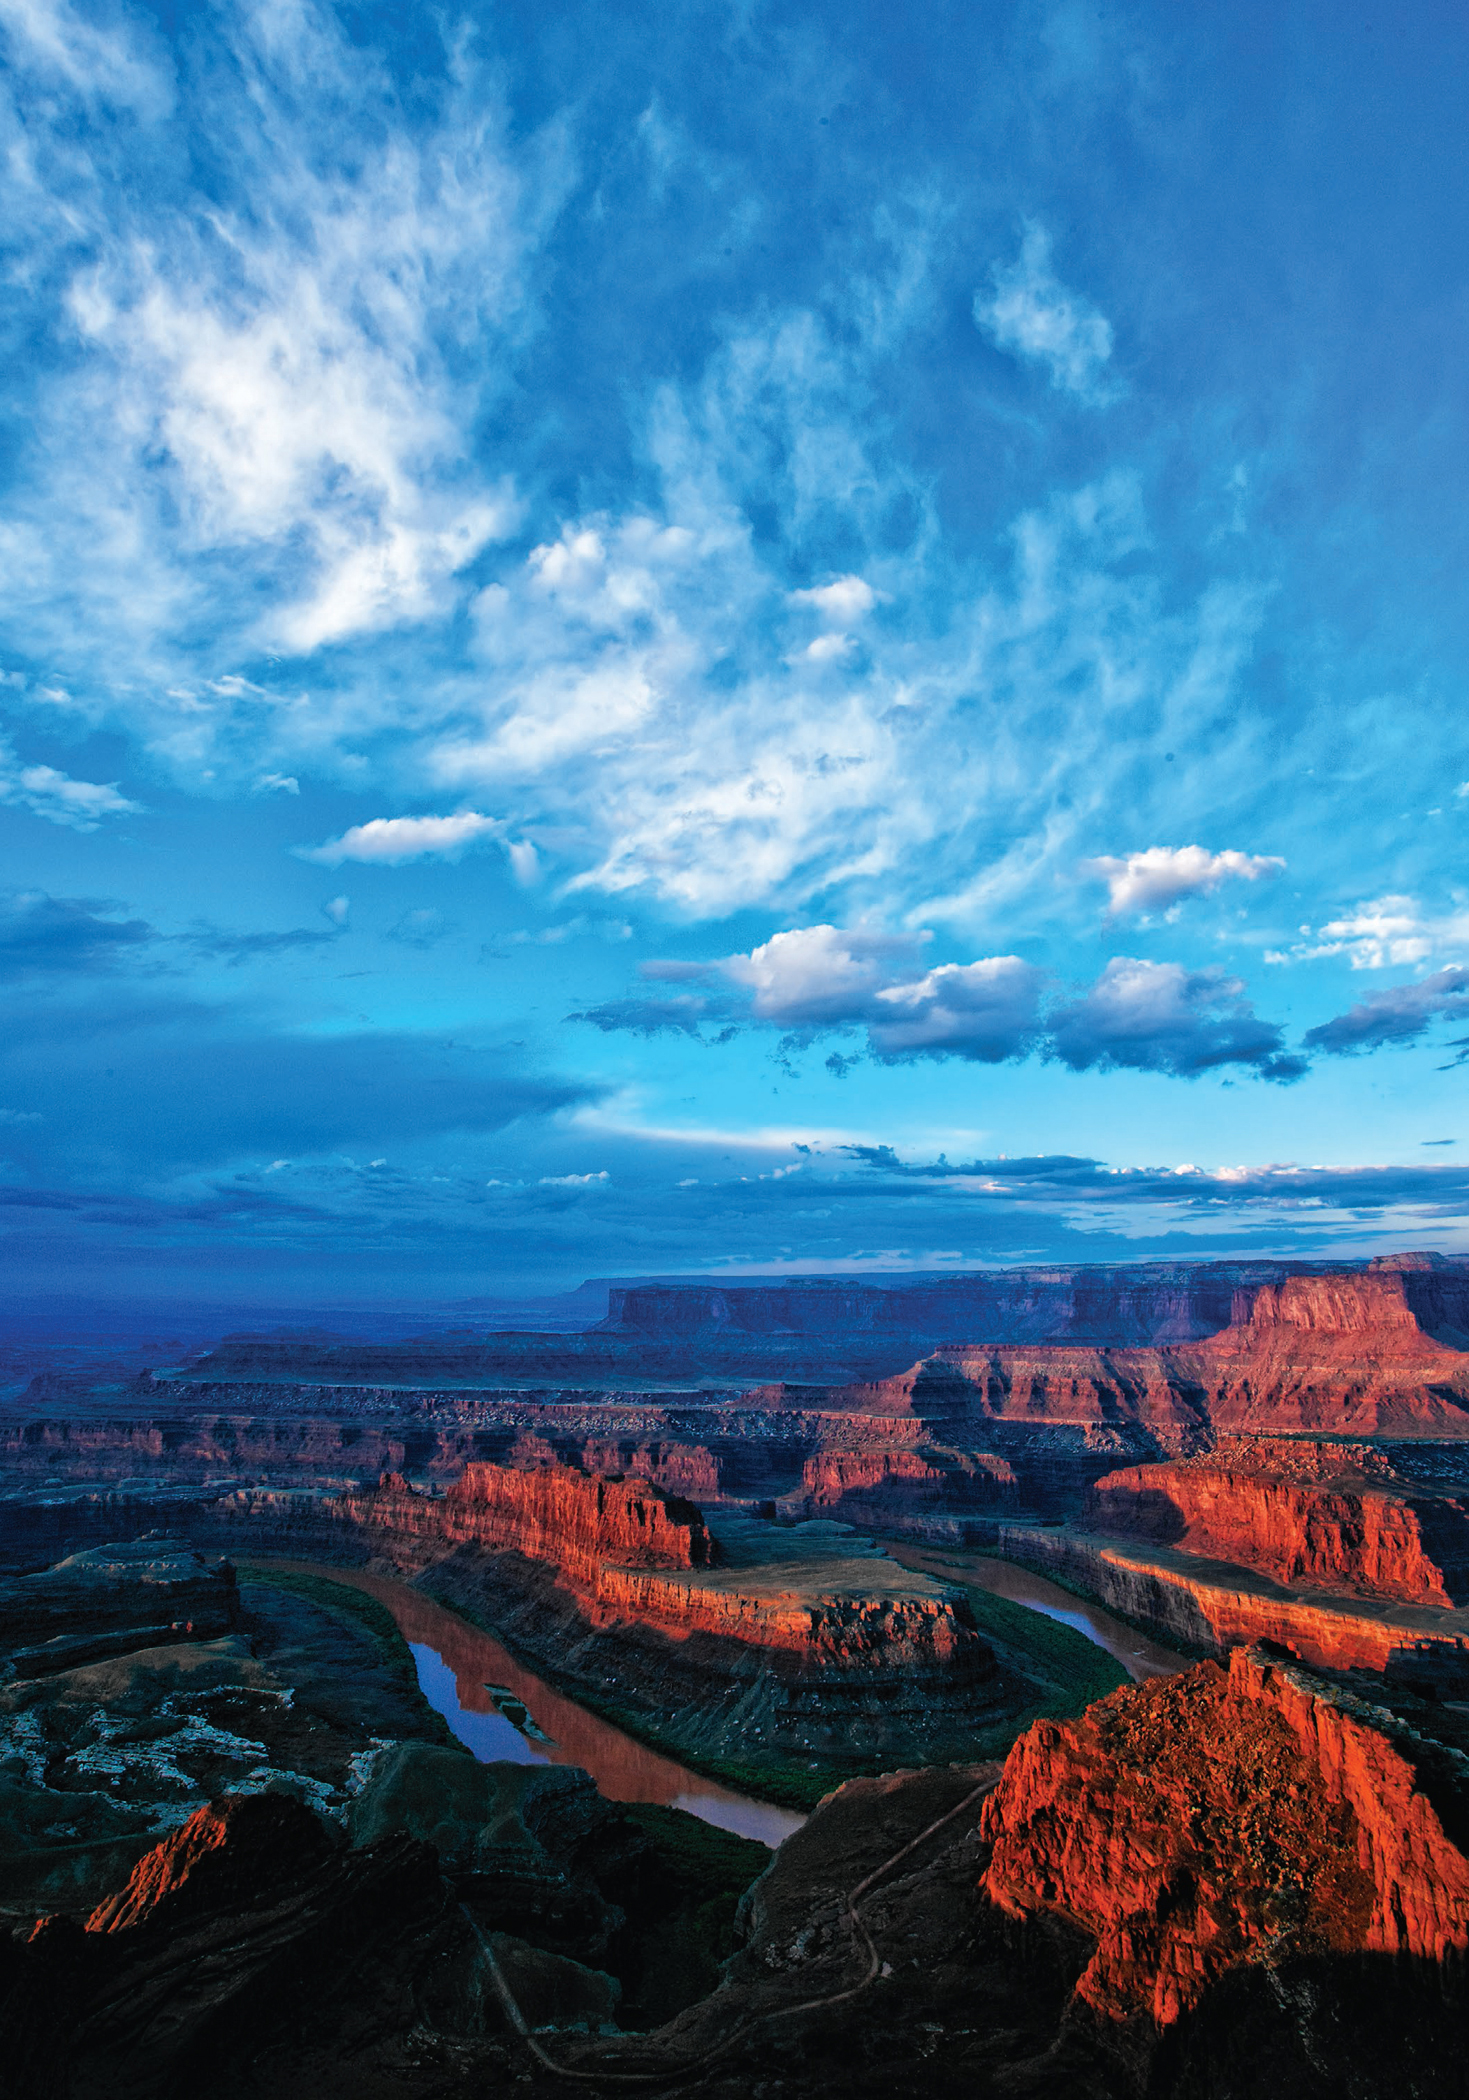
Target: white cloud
(985,1010)
(98,62)
(279,381)
(79,804)
(388,841)
(336,909)
(1160,1017)
(267,426)
(813,976)
(573,1181)
(841,602)
(1032,315)
(1164,875)
(1388,930)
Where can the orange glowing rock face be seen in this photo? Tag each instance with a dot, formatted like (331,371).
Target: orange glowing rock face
(630,1551)
(548,1512)
(1196,1823)
(225,1854)
(1347,1532)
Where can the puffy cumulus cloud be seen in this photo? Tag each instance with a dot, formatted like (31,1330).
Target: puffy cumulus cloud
(1160,1017)
(45,934)
(1401,1014)
(389,841)
(1142,1016)
(814,976)
(1162,876)
(1030,314)
(1384,931)
(840,603)
(986,1011)
(78,804)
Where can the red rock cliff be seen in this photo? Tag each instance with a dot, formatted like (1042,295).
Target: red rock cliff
(900,1482)
(1347,1532)
(1196,1823)
(628,1551)
(580,1521)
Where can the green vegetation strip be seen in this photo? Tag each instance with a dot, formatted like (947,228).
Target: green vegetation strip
(1077,1669)
(1161,1636)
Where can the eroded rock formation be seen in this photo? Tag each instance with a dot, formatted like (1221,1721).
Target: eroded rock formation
(579,1520)
(1346,1529)
(1200,1823)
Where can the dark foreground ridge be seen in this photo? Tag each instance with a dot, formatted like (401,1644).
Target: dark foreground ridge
(1233,1883)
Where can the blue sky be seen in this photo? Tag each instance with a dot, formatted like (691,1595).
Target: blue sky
(728,636)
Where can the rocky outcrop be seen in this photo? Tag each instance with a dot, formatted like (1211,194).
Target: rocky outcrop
(901,1487)
(1344,1530)
(112,1599)
(1213,1606)
(620,1546)
(1224,1818)
(579,1520)
(221,1857)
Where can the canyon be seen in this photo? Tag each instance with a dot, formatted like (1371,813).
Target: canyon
(1238,1881)
(736,1521)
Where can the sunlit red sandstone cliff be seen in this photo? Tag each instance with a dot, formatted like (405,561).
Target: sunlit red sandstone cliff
(1221,1819)
(627,1550)
(1303,1512)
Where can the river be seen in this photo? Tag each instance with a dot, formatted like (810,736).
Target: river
(507,1715)
(1139,1656)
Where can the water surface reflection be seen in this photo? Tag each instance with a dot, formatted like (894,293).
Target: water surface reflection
(469,1678)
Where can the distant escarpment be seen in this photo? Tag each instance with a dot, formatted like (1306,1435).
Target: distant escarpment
(805,1328)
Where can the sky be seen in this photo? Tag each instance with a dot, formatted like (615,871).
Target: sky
(728,638)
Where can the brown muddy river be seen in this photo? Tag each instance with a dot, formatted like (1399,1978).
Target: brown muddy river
(506,1715)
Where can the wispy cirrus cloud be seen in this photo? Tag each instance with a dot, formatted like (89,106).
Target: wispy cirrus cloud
(272,381)
(1030,314)
(288,406)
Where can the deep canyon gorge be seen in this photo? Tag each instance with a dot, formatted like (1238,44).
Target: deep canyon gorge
(760,1536)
